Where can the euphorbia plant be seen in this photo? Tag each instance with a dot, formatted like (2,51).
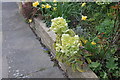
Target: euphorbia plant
(67,45)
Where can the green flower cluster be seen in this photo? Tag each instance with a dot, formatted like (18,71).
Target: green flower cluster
(70,45)
(59,25)
(66,43)
(103,2)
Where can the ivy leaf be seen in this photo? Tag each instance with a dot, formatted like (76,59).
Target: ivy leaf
(111,63)
(94,64)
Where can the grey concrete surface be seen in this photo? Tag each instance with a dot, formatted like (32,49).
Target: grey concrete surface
(0,40)
(0,54)
(23,56)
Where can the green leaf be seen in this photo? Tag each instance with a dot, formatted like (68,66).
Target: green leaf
(88,60)
(58,55)
(111,63)
(73,67)
(71,59)
(79,62)
(103,74)
(87,54)
(116,73)
(79,69)
(94,64)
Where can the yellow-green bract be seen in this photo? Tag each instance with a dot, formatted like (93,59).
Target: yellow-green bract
(70,45)
(59,25)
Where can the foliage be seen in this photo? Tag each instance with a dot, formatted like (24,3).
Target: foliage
(104,58)
(98,49)
(98,27)
(67,10)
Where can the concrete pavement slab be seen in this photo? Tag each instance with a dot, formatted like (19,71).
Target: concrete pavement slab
(24,55)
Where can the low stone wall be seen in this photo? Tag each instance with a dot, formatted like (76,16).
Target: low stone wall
(48,38)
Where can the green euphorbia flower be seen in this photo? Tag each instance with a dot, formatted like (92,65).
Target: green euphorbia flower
(59,25)
(70,45)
